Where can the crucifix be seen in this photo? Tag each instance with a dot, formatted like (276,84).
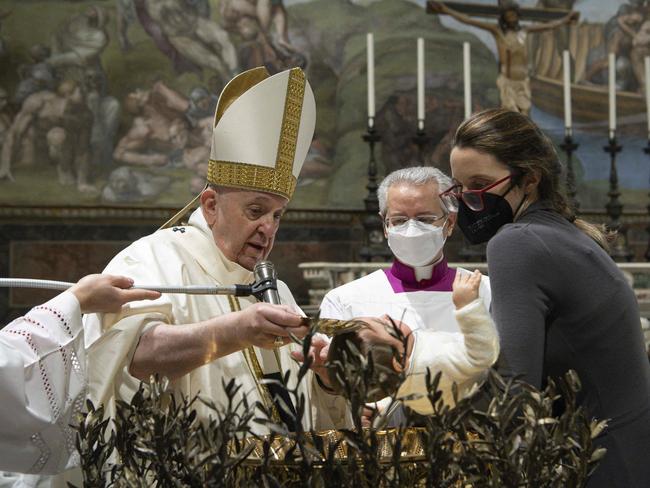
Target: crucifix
(510,38)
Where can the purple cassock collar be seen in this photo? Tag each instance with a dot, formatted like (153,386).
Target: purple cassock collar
(402,278)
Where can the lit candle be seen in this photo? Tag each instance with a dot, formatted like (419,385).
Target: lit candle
(420,83)
(467,78)
(612,95)
(566,62)
(646,62)
(371,79)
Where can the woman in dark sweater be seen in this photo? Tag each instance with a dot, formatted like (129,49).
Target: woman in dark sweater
(558,300)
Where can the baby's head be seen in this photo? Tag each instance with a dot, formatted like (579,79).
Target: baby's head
(383,340)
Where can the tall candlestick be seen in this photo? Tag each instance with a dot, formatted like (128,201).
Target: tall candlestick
(467,78)
(371,79)
(566,62)
(375,247)
(646,62)
(420,83)
(612,95)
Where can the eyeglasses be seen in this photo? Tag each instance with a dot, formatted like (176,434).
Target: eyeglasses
(398,220)
(472,198)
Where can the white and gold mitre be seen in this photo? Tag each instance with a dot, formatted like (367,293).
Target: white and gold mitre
(263,126)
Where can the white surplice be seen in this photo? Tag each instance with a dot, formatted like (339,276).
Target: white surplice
(461,344)
(42,387)
(373,296)
(188,255)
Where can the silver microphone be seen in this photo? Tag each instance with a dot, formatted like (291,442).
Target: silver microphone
(264,272)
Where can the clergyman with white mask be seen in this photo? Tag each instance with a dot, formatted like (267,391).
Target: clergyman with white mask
(417,288)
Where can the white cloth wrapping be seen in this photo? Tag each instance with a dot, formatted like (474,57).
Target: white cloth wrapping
(182,256)
(462,344)
(462,358)
(42,385)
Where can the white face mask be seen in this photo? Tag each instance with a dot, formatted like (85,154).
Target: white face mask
(415,243)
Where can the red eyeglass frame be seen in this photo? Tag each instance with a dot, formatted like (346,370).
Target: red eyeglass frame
(479,193)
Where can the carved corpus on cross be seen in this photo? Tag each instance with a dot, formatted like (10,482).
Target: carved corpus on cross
(513,80)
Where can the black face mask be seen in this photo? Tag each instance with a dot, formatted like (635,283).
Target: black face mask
(480,226)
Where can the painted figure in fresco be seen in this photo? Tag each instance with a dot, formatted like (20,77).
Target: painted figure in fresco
(251,20)
(131,185)
(106,118)
(513,81)
(78,43)
(267,13)
(77,46)
(200,104)
(641,49)
(619,31)
(193,41)
(52,127)
(130,11)
(197,153)
(191,136)
(149,141)
(640,39)
(125,16)
(561,33)
(197,106)
(35,76)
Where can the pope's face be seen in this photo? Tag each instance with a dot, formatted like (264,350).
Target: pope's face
(243,223)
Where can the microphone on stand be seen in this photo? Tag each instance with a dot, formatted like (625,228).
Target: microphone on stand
(267,279)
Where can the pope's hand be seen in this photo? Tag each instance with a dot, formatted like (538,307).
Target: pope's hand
(318,351)
(260,324)
(107,293)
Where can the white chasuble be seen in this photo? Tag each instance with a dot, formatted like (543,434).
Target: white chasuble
(188,256)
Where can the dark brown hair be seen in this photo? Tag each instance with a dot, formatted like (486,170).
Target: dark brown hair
(514,140)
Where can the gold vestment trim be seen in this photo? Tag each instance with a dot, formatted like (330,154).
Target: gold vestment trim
(252,177)
(256,369)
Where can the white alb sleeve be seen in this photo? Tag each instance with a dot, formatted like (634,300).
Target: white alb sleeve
(42,386)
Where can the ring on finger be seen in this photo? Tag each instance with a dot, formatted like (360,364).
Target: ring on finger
(278,342)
